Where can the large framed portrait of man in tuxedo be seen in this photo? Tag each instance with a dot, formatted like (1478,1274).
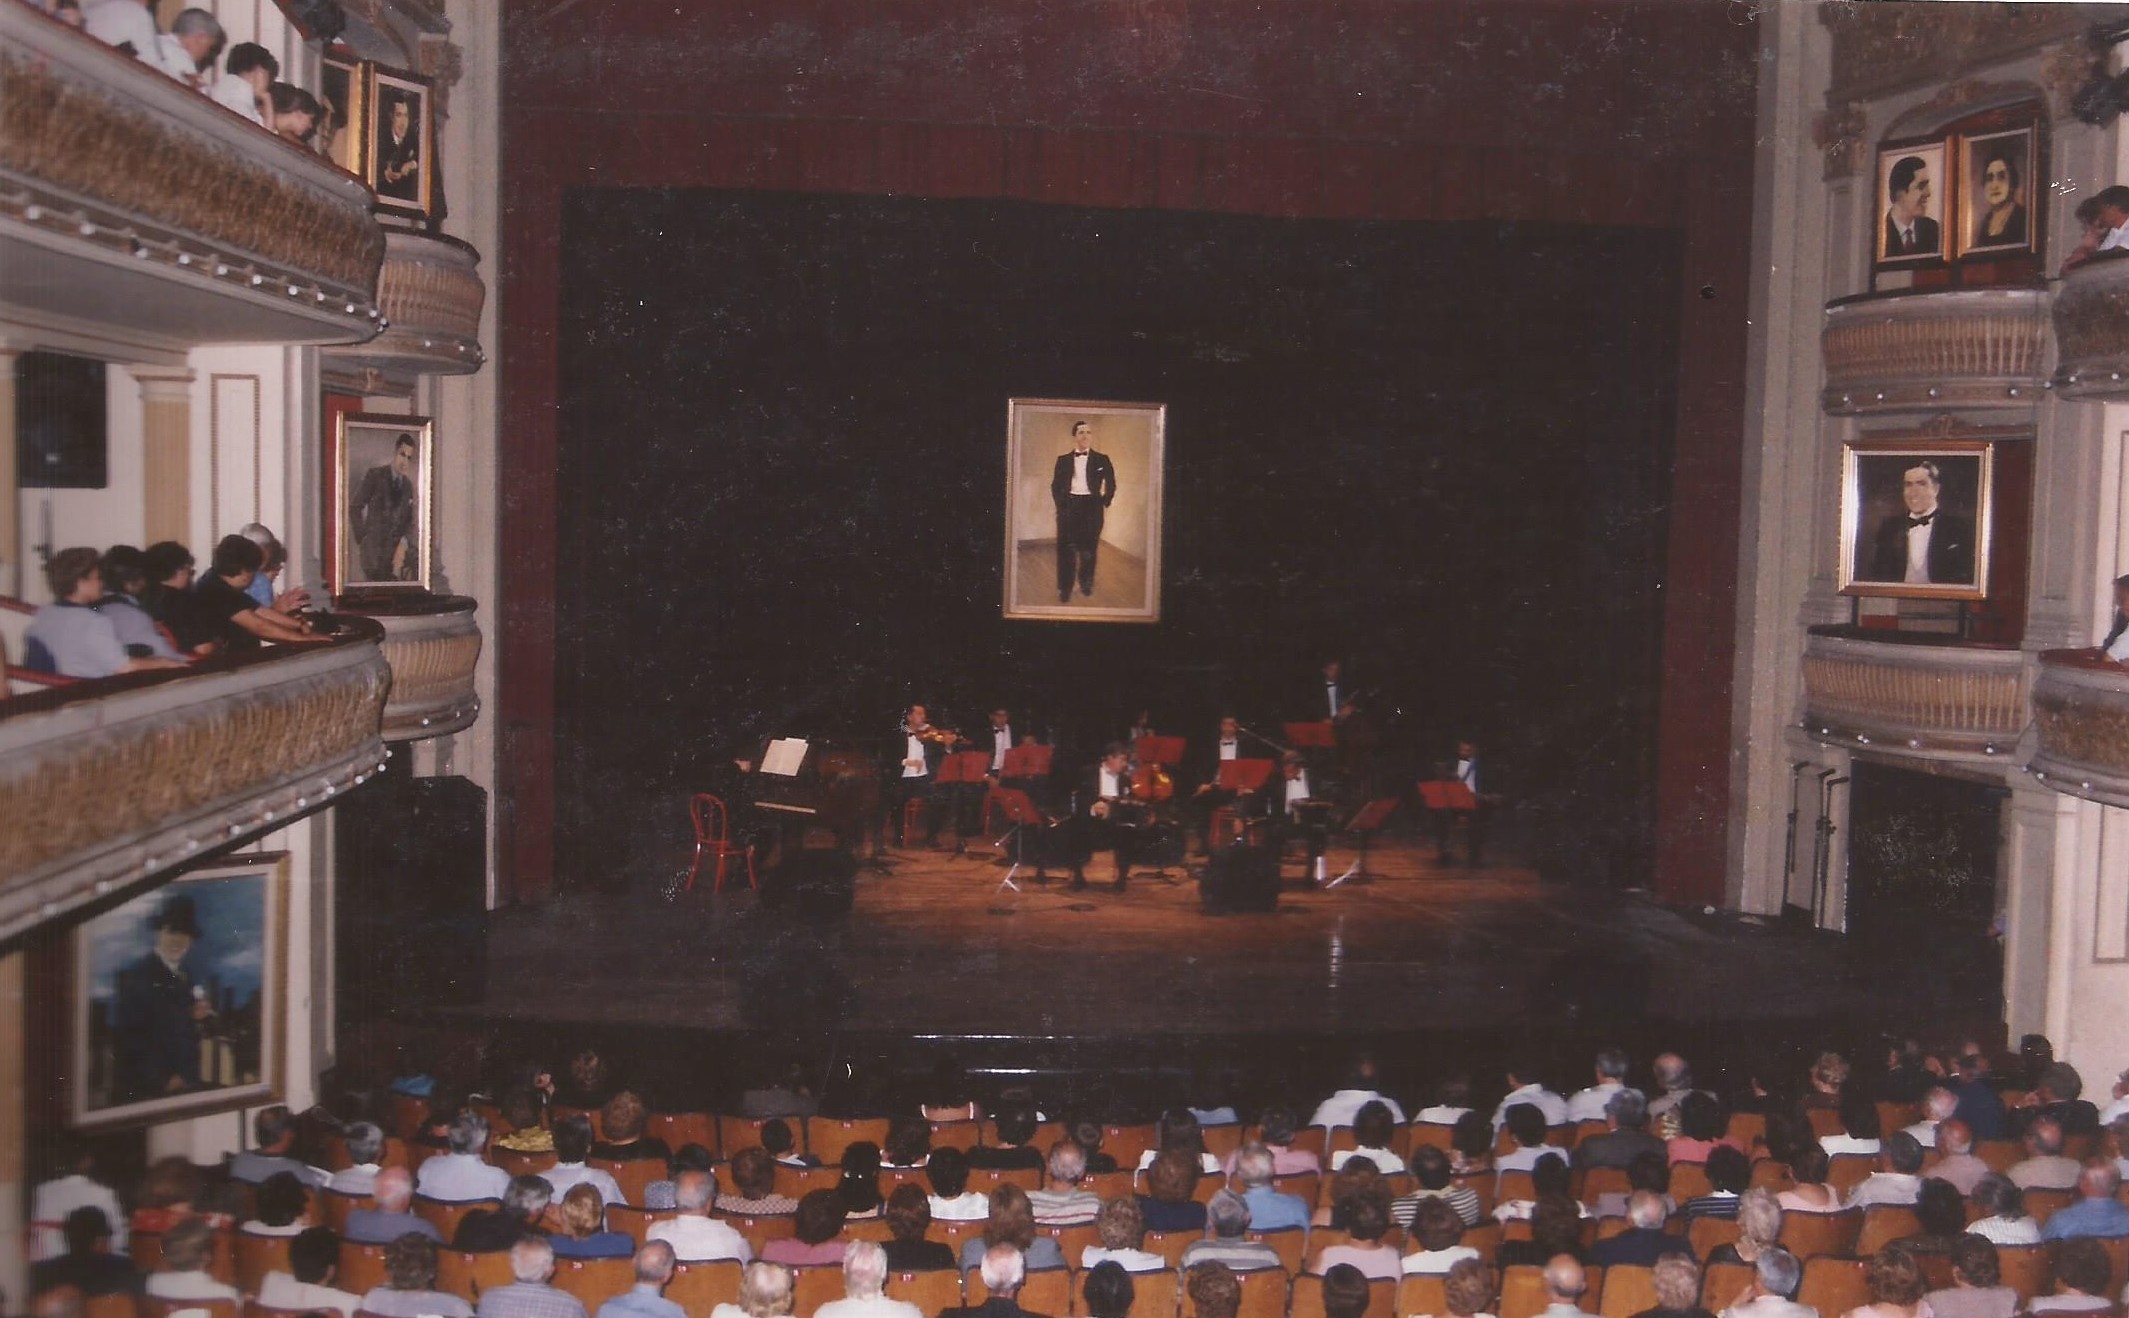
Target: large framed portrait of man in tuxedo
(1915,518)
(1083,510)
(382,467)
(178,996)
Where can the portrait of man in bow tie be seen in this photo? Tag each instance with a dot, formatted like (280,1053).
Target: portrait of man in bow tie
(1919,512)
(1083,510)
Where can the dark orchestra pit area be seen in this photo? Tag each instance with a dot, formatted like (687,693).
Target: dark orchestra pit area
(1426,962)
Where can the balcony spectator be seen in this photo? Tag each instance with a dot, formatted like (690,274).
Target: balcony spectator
(247,74)
(66,11)
(181,52)
(295,113)
(237,620)
(125,583)
(265,588)
(69,636)
(2105,216)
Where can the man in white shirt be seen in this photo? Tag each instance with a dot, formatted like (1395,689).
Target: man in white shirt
(365,1150)
(1770,1294)
(1537,1095)
(1937,1106)
(460,1175)
(1100,790)
(1588,1104)
(1898,1179)
(1292,799)
(248,74)
(694,1235)
(79,1188)
(1340,1108)
(864,1284)
(921,751)
(951,1199)
(2105,216)
(1082,487)
(572,1144)
(313,1258)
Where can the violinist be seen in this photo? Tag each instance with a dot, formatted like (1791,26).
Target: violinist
(1209,796)
(1099,812)
(1298,805)
(922,746)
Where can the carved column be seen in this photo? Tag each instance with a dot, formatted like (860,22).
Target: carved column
(166,453)
(10,491)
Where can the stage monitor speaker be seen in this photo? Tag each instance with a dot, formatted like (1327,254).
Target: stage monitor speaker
(815,884)
(1240,878)
(411,894)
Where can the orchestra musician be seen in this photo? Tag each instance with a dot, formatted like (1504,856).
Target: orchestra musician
(911,778)
(1101,811)
(1467,772)
(1298,805)
(1208,796)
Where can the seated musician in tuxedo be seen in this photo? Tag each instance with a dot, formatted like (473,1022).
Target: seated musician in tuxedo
(1298,805)
(911,779)
(1467,772)
(1208,796)
(1100,811)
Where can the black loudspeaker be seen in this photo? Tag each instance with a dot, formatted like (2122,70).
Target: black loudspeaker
(60,423)
(1240,879)
(410,910)
(814,885)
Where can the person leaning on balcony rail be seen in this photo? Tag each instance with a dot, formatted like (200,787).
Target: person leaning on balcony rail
(295,113)
(68,636)
(239,622)
(2116,644)
(125,583)
(248,72)
(182,52)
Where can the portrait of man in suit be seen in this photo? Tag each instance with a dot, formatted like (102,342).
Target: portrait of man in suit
(1915,522)
(382,516)
(1910,231)
(1083,510)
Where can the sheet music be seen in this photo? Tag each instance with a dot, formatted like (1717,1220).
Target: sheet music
(784,756)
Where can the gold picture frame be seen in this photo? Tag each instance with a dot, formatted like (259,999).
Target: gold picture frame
(1083,536)
(343,119)
(1885,485)
(399,154)
(382,512)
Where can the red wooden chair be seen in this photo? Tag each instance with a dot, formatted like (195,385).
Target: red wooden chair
(713,838)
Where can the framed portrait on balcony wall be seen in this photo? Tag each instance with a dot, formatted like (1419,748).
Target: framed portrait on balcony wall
(383,469)
(178,996)
(343,102)
(1915,518)
(1998,205)
(1083,510)
(1910,208)
(399,152)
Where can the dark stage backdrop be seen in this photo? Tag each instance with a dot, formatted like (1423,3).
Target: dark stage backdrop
(1441,449)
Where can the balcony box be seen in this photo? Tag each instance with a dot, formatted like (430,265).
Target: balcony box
(432,643)
(1929,702)
(105,783)
(2092,332)
(135,210)
(432,294)
(1940,351)
(2081,716)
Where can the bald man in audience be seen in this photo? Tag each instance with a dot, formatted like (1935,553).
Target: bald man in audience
(1565,1285)
(1674,1080)
(2097,1212)
(646,1299)
(389,1220)
(1937,1106)
(1956,1162)
(1771,1293)
(693,1234)
(2044,1167)
(529,1295)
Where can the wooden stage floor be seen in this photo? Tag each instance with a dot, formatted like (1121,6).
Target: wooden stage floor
(934,949)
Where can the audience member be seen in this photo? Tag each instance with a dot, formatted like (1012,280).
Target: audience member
(1003,1270)
(2097,1212)
(766,1290)
(1548,1176)
(1772,1291)
(1942,1215)
(694,1235)
(646,1299)
(658,1195)
(1063,1201)
(1467,1292)
(188,1248)
(491,1230)
(2105,218)
(1471,1146)
(1526,1127)
(909,1142)
(529,1295)
(1759,1226)
(2044,1167)
(908,1215)
(1555,1228)
(1088,1135)
(572,1145)
(2082,1274)
(1644,1240)
(1897,1286)
(1674,1080)
(864,1287)
(951,1199)
(1565,1285)
(1213,1289)
(754,1187)
(1438,1232)
(2004,1220)
(1956,1162)
(75,1183)
(948,1097)
(88,1263)
(365,1143)
(1340,1108)
(1012,1222)
(295,118)
(1703,1127)
(1523,1087)
(1898,1179)
(1108,1291)
(1590,1104)
(1827,1080)
(583,1222)
(1980,1106)
(125,583)
(461,1175)
(392,1192)
(521,1109)
(283,1207)
(410,1283)
(1677,1281)
(1648,1171)
(1167,1204)
(248,70)
(313,1261)
(1938,1105)
(813,1241)
(859,1189)
(1625,1136)
(231,617)
(1452,1099)
(1015,1127)
(1367,1223)
(621,1121)
(1346,1292)
(2056,1098)
(1269,1209)
(1275,1129)
(70,636)
(1178,1132)
(1811,1193)
(1227,1219)
(1729,1172)
(1977,1289)
(1122,1232)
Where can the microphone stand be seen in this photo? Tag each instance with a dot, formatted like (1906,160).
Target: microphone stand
(1258,736)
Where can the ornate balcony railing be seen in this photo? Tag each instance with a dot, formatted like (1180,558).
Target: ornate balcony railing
(103,783)
(2081,713)
(432,643)
(132,205)
(1963,348)
(432,294)
(2092,331)
(1915,700)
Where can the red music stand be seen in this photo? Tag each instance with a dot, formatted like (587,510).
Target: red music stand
(1027,762)
(1243,776)
(1021,812)
(1371,818)
(1321,735)
(1448,794)
(1161,750)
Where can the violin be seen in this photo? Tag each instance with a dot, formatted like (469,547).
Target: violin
(938,736)
(1151,782)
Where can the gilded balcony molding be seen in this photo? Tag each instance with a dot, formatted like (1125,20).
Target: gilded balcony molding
(432,294)
(1883,48)
(108,783)
(1948,351)
(2092,332)
(1915,701)
(120,188)
(2081,718)
(432,644)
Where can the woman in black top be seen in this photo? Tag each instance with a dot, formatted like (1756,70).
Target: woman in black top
(908,1218)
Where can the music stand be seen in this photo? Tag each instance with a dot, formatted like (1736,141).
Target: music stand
(1450,794)
(1241,777)
(1161,750)
(1372,816)
(958,769)
(1021,811)
(1321,735)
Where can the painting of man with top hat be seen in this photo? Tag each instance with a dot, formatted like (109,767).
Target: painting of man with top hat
(177,988)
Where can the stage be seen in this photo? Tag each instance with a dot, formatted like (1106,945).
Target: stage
(934,948)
